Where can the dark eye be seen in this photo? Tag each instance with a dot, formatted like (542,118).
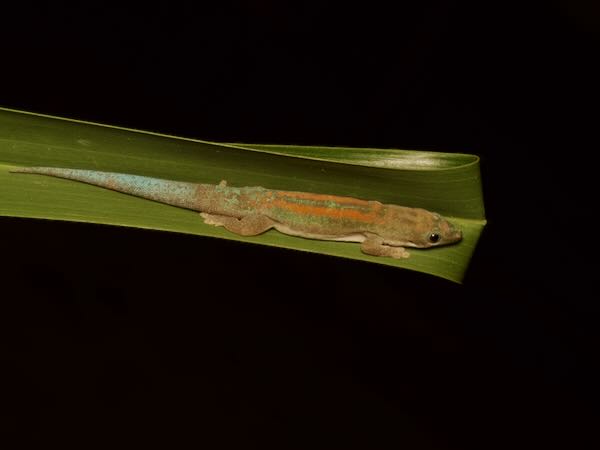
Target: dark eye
(434,237)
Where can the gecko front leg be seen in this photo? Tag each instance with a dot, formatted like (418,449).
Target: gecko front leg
(374,245)
(251,225)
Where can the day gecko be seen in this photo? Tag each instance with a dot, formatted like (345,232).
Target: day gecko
(382,229)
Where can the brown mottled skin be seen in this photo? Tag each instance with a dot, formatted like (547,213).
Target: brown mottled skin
(382,230)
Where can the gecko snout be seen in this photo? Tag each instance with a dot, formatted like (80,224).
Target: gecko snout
(450,233)
(455,234)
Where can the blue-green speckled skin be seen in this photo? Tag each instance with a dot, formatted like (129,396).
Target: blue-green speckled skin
(176,193)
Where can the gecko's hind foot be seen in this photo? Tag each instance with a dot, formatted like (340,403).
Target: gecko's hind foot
(223,183)
(251,225)
(212,219)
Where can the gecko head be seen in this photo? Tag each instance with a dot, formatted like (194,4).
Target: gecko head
(419,228)
(433,231)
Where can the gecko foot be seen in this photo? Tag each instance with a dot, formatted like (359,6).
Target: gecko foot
(223,183)
(374,245)
(212,219)
(251,225)
(399,253)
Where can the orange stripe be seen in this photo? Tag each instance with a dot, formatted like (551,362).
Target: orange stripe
(323,198)
(337,213)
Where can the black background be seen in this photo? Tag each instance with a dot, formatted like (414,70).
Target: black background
(128,338)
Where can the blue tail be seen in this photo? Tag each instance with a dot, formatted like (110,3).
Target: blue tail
(176,193)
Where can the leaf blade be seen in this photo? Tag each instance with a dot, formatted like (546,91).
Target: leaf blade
(443,182)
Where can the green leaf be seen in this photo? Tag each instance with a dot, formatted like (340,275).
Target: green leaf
(446,183)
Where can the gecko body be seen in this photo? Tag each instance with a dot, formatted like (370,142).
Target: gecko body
(382,229)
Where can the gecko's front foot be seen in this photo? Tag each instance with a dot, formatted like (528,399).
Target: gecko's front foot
(374,245)
(399,253)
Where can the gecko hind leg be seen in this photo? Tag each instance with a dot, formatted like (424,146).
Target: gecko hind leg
(374,245)
(251,225)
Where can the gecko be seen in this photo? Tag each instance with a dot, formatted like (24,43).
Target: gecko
(381,229)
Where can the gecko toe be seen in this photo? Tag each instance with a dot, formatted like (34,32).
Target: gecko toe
(399,253)
(210,219)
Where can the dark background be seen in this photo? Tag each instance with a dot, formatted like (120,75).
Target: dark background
(129,338)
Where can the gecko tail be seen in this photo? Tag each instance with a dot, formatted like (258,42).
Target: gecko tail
(24,170)
(54,171)
(176,193)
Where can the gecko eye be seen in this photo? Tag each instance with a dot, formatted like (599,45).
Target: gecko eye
(434,237)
